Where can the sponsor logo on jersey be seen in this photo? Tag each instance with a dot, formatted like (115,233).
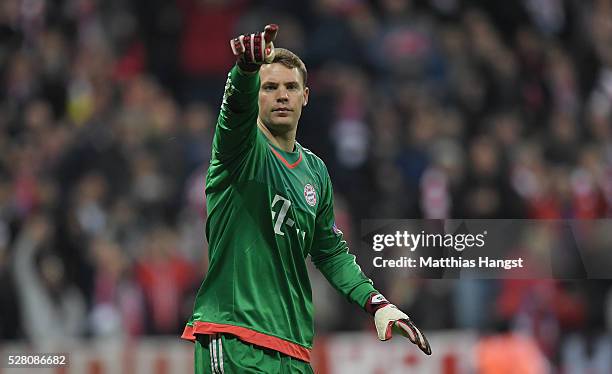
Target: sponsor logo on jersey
(310,195)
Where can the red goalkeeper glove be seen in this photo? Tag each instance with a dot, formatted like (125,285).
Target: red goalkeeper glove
(388,318)
(255,49)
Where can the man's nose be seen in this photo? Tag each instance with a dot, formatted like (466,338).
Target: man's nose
(283,95)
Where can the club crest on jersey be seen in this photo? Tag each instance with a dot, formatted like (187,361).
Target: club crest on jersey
(310,195)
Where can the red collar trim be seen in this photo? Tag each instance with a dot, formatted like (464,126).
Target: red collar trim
(280,157)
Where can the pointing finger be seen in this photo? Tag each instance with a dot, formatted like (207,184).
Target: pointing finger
(270,32)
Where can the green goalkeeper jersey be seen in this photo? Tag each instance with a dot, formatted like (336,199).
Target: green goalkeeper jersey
(267,211)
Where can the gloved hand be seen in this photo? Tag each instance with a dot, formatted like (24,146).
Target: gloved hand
(388,318)
(255,49)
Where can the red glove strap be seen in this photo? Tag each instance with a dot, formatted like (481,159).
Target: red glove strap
(375,301)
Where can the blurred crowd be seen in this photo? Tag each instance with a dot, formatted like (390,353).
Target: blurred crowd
(420,108)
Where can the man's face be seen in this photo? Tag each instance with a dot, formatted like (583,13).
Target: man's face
(281,97)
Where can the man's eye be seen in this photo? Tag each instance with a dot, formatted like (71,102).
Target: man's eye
(268,88)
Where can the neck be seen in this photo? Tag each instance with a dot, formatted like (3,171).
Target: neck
(284,141)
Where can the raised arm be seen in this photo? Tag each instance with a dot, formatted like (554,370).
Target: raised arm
(236,126)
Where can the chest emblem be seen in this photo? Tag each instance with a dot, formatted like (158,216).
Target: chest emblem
(310,195)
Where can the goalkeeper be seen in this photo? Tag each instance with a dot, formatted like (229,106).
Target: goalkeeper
(270,205)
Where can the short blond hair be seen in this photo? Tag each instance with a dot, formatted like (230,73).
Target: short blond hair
(290,60)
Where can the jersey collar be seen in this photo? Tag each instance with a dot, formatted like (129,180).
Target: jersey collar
(281,155)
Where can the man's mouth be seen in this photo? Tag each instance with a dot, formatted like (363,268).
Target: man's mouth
(282,110)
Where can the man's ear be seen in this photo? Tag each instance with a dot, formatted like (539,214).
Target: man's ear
(306,92)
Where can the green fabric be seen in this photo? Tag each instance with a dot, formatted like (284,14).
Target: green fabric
(230,355)
(261,228)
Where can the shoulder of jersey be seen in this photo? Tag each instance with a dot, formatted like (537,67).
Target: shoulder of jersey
(308,153)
